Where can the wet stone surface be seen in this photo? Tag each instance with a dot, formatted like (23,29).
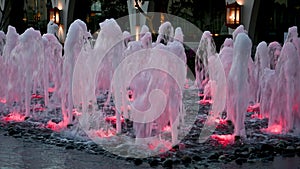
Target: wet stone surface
(257,147)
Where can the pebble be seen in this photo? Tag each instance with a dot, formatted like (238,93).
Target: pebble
(262,147)
(197,158)
(153,162)
(186,159)
(60,144)
(213,156)
(289,151)
(18,135)
(223,157)
(240,161)
(168,163)
(298,149)
(138,161)
(68,147)
(266,147)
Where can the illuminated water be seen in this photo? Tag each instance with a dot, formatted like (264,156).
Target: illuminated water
(114,68)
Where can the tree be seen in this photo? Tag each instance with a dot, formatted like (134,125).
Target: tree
(114,9)
(4,13)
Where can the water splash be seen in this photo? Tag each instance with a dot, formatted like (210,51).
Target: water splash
(238,85)
(206,49)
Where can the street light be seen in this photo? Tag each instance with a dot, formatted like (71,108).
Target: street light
(233,15)
(55,15)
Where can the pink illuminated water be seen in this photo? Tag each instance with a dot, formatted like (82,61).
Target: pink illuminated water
(237,83)
(14,116)
(206,49)
(36,70)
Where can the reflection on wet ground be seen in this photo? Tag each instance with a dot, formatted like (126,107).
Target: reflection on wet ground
(22,154)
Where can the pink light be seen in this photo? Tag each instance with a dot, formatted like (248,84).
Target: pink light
(167,128)
(2,100)
(76,113)
(130,95)
(221,121)
(56,127)
(205,102)
(296,107)
(151,146)
(36,96)
(113,119)
(274,129)
(223,139)
(105,133)
(160,145)
(256,116)
(40,109)
(186,86)
(254,108)
(51,89)
(14,116)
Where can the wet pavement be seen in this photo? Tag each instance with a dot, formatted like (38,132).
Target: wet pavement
(18,153)
(21,154)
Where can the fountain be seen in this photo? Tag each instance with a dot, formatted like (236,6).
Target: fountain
(2,73)
(53,65)
(267,80)
(28,51)
(130,93)
(165,33)
(76,37)
(274,49)
(262,61)
(286,88)
(206,49)
(226,54)
(151,99)
(238,85)
(266,84)
(10,68)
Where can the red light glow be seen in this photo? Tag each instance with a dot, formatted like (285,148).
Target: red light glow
(36,96)
(130,95)
(223,139)
(274,129)
(254,108)
(14,116)
(205,102)
(296,107)
(186,86)
(2,100)
(40,109)
(51,89)
(256,116)
(113,119)
(106,133)
(160,145)
(221,121)
(167,128)
(76,113)
(56,127)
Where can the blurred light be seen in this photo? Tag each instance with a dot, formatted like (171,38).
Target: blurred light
(233,15)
